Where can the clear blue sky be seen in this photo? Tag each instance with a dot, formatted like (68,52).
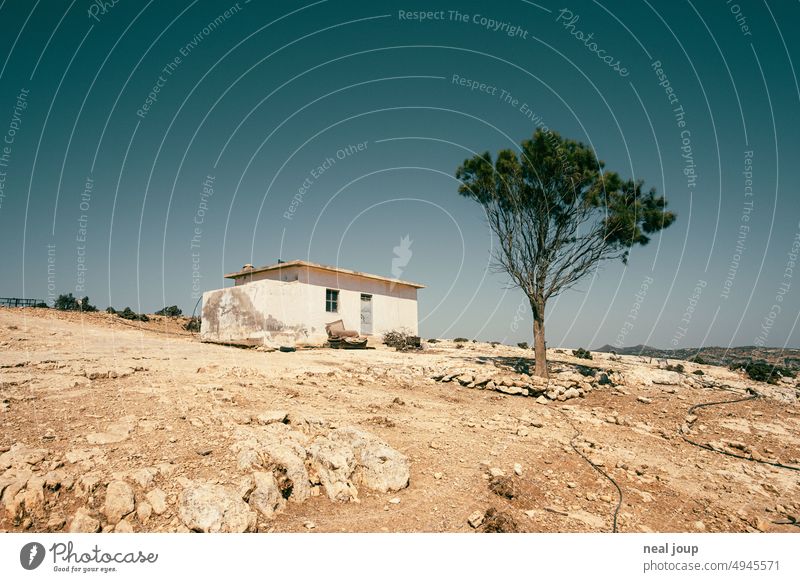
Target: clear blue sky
(259,97)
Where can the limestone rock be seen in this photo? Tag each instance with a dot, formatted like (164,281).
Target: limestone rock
(378,466)
(83,522)
(119,501)
(158,500)
(215,509)
(334,463)
(21,456)
(266,498)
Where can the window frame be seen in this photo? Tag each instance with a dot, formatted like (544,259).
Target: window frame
(331,301)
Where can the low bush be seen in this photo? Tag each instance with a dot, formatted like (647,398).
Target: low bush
(461,340)
(171,311)
(129,313)
(66,302)
(582,354)
(699,373)
(193,324)
(762,371)
(523,345)
(675,368)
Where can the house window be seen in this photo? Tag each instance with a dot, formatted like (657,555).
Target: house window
(331,300)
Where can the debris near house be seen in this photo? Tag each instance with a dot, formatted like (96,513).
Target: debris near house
(401,340)
(341,338)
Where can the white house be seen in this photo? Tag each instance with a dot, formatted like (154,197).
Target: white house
(290,302)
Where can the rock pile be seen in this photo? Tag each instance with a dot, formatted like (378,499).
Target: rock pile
(562,385)
(283,459)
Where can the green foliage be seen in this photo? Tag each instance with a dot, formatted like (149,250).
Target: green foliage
(461,340)
(171,311)
(762,371)
(523,345)
(698,359)
(699,372)
(675,368)
(128,313)
(433,340)
(583,354)
(110,310)
(193,324)
(86,306)
(66,303)
(41,304)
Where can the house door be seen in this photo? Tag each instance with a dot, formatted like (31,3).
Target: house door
(366,314)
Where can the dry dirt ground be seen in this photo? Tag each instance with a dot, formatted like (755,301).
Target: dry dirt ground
(66,376)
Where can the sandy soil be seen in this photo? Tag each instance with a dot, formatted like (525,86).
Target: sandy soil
(66,376)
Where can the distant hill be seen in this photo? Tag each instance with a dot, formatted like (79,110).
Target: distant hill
(717,356)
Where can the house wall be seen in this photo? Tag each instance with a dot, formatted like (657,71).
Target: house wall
(272,310)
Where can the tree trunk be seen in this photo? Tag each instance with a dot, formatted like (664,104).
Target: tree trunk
(539,345)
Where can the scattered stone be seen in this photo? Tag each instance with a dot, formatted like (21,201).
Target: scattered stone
(522,431)
(394,500)
(437,476)
(157,500)
(644,400)
(272,416)
(119,501)
(83,522)
(215,509)
(21,456)
(496,472)
(309,525)
(143,511)
(123,526)
(542,400)
(475,519)
(518,469)
(267,497)
(504,487)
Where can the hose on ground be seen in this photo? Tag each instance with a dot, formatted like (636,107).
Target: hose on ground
(753,396)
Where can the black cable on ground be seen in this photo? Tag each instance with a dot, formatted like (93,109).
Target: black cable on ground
(753,396)
(596,468)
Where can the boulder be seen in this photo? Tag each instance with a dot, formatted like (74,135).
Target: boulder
(158,500)
(83,522)
(333,462)
(21,456)
(215,509)
(119,501)
(266,498)
(513,390)
(378,466)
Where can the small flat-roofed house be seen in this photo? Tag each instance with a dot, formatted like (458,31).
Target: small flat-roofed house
(291,302)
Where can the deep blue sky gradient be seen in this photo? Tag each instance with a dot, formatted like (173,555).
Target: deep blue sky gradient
(263,99)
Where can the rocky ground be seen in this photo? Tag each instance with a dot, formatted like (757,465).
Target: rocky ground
(110,428)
